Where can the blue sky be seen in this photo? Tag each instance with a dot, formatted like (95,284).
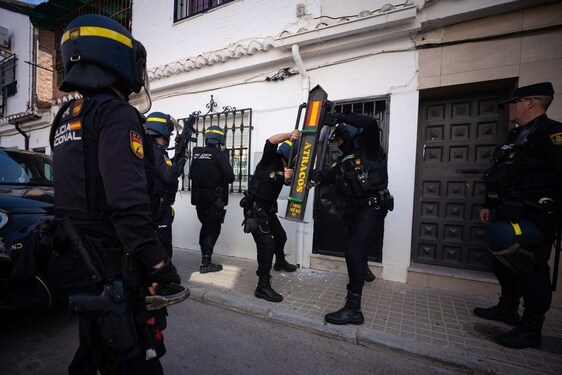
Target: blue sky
(33,1)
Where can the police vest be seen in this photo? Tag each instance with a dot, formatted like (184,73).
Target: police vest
(74,144)
(520,168)
(362,177)
(207,176)
(268,180)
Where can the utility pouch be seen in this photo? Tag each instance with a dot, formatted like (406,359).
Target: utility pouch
(262,219)
(118,330)
(112,313)
(159,210)
(216,211)
(389,200)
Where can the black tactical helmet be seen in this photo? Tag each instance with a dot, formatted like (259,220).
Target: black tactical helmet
(344,131)
(98,52)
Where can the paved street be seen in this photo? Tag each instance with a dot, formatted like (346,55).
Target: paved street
(407,329)
(205,339)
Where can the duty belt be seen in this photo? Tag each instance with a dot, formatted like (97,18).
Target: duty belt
(367,201)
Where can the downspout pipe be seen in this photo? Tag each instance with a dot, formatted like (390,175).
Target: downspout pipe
(302,70)
(25,135)
(305,90)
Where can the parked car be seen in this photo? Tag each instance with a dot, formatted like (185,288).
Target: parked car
(26,196)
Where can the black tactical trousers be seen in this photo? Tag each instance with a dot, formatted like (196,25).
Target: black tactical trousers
(364,225)
(535,286)
(210,231)
(270,239)
(164,225)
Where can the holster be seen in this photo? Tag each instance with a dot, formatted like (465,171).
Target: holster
(113,315)
(159,209)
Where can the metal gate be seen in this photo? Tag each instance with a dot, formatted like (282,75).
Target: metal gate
(237,124)
(456,139)
(329,235)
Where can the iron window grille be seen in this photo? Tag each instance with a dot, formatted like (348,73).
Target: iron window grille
(237,124)
(187,8)
(118,10)
(8,82)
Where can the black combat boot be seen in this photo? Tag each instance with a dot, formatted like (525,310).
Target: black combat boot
(207,266)
(282,265)
(528,333)
(350,313)
(369,276)
(505,311)
(265,291)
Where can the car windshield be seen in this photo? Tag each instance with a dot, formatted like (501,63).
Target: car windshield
(25,168)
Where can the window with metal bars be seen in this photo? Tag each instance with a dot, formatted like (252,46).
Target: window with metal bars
(237,124)
(118,10)
(187,8)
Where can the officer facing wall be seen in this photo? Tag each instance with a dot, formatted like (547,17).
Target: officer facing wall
(103,180)
(361,180)
(260,210)
(210,172)
(522,210)
(160,126)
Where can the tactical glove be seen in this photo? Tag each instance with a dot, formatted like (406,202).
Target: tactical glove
(166,274)
(250,225)
(331,119)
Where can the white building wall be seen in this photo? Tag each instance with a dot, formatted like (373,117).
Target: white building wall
(20,30)
(21,37)
(346,71)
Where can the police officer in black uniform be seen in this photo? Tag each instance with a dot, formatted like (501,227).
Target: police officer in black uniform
(101,158)
(260,208)
(524,188)
(160,127)
(360,176)
(210,173)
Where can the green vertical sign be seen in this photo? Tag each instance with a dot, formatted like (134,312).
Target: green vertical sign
(306,155)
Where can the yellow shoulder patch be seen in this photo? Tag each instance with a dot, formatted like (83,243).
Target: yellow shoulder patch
(168,161)
(556,138)
(136,144)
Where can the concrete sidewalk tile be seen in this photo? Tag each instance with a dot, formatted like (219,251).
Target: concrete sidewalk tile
(421,321)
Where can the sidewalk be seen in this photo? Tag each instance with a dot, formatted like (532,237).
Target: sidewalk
(432,323)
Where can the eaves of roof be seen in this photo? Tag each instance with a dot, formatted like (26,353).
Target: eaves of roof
(325,29)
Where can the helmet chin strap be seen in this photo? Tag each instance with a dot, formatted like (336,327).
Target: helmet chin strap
(119,93)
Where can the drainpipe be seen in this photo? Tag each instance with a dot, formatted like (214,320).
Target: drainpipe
(305,90)
(25,135)
(302,70)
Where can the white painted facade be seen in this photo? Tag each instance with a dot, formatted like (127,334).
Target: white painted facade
(252,39)
(21,107)
(354,49)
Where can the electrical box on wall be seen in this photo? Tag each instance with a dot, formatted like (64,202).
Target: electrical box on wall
(4,38)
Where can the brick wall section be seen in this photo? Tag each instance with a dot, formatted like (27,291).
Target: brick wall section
(45,78)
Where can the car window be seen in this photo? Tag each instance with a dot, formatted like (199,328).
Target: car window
(25,168)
